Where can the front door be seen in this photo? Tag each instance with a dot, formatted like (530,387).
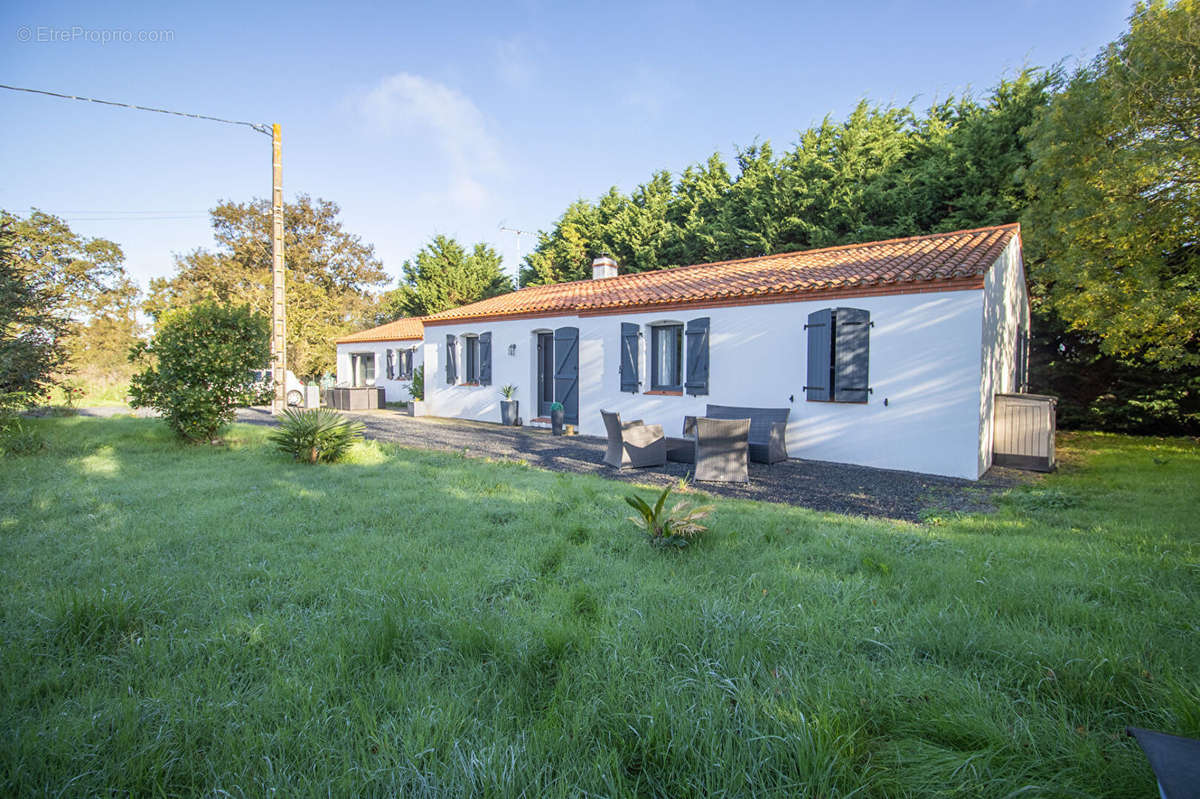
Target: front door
(545,366)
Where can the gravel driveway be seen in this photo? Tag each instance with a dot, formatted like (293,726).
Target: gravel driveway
(836,487)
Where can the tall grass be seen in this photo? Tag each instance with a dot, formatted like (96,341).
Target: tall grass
(205,621)
(97,388)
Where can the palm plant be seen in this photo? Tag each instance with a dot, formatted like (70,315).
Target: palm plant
(508,392)
(416,388)
(316,435)
(675,527)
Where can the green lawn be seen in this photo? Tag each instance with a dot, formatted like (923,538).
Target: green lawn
(184,621)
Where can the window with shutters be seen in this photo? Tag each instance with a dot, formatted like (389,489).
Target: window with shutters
(470,359)
(666,357)
(838,355)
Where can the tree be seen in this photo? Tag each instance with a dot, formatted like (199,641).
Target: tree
(1115,186)
(444,276)
(881,172)
(1098,391)
(565,253)
(196,367)
(32,326)
(100,348)
(81,282)
(330,274)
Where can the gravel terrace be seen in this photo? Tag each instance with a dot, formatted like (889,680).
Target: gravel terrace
(819,485)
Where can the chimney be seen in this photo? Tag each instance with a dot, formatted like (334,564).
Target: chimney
(603,267)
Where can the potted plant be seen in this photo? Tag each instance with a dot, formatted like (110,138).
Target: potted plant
(508,406)
(556,418)
(416,390)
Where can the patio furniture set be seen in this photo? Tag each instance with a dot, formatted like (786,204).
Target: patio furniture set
(720,444)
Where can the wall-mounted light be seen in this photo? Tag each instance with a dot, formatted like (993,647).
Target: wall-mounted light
(512,349)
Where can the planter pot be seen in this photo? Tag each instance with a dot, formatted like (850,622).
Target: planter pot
(556,422)
(416,407)
(508,412)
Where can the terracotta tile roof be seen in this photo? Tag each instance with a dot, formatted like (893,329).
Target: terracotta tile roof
(399,330)
(881,266)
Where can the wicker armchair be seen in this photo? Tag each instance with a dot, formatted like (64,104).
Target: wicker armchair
(722,450)
(633,443)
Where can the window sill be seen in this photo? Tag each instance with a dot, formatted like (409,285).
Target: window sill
(659,392)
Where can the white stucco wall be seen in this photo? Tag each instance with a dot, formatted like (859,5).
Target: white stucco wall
(924,361)
(1005,312)
(394,390)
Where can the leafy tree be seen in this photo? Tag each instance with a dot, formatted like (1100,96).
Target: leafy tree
(330,275)
(33,327)
(1115,185)
(100,348)
(82,282)
(444,276)
(565,253)
(195,368)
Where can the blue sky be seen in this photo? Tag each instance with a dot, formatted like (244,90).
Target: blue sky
(454,118)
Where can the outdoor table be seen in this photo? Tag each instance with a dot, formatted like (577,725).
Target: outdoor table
(681,449)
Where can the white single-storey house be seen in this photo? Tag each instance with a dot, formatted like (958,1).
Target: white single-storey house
(887,354)
(384,356)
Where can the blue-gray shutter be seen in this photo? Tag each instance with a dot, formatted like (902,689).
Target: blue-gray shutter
(408,361)
(485,359)
(451,361)
(630,347)
(820,355)
(391,364)
(696,381)
(852,349)
(566,372)
(1021,381)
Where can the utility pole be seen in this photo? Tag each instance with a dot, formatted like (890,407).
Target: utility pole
(278,304)
(519,233)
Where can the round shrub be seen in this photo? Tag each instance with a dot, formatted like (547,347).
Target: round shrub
(196,368)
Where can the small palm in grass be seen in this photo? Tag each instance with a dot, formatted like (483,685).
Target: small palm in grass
(316,435)
(676,527)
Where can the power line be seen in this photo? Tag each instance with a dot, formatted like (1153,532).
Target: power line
(70,218)
(252,125)
(195,211)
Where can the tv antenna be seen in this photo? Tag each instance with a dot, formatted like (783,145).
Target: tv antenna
(519,234)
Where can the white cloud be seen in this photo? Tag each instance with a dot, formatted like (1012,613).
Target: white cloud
(513,63)
(448,122)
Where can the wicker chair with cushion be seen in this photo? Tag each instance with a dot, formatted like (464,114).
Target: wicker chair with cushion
(633,443)
(722,450)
